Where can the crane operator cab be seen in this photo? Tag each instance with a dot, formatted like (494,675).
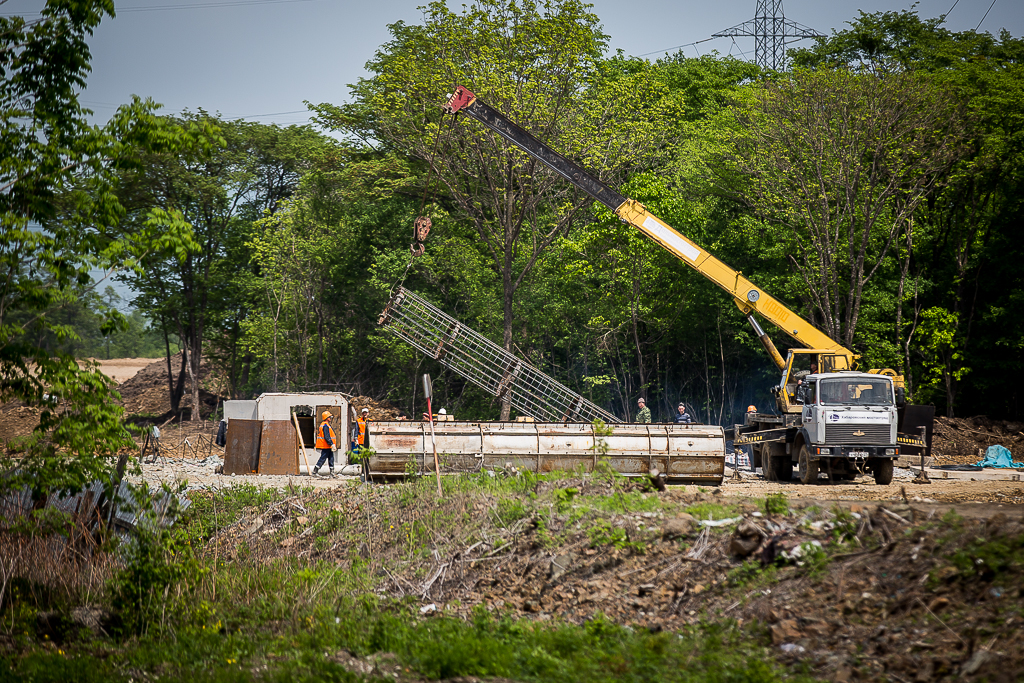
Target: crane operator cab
(799,365)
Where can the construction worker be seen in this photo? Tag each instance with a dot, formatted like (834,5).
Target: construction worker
(359,430)
(326,443)
(683,417)
(643,415)
(359,441)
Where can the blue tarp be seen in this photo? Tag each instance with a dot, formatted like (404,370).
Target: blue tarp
(999,456)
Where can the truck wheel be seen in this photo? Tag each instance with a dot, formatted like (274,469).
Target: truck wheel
(883,471)
(807,468)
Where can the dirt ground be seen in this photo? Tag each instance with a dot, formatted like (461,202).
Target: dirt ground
(908,592)
(122,369)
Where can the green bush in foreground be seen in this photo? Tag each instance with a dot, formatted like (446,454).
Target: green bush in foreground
(436,648)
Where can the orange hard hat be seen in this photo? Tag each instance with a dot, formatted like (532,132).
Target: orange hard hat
(326,415)
(751,409)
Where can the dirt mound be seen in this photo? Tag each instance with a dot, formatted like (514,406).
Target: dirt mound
(17,420)
(147,392)
(120,369)
(379,410)
(962,440)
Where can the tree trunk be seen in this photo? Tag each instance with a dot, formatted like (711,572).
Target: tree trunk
(509,293)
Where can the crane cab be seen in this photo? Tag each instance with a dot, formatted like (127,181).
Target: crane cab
(799,364)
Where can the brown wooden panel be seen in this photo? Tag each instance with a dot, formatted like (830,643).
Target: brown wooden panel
(279,448)
(242,450)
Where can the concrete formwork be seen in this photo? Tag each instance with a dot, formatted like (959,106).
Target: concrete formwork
(684,453)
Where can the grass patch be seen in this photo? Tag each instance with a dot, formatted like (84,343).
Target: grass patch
(712,511)
(308,648)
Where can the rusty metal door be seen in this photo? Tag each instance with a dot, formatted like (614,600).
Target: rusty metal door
(337,423)
(242,451)
(279,448)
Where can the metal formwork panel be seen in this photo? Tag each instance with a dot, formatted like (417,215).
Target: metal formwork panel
(456,438)
(242,452)
(684,453)
(507,438)
(279,448)
(481,361)
(568,439)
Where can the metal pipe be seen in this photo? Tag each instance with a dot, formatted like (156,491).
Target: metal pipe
(766,342)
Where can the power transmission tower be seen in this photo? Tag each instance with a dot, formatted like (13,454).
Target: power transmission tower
(770,29)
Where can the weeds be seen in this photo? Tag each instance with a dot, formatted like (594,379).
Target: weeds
(776,504)
(604,534)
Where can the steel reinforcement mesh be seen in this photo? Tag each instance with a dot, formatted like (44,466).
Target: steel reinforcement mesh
(484,363)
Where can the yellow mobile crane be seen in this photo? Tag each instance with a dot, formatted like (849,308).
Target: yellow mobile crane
(787,438)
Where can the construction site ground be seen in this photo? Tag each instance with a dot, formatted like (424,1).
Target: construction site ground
(855,581)
(862,582)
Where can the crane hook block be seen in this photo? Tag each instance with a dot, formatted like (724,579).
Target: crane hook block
(420,230)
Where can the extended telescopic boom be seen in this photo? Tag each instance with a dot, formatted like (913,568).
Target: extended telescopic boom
(749,298)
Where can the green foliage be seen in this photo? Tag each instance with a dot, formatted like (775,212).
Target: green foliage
(604,533)
(712,511)
(752,575)
(58,218)
(564,498)
(776,503)
(990,559)
(488,646)
(155,558)
(941,349)
(844,526)
(510,511)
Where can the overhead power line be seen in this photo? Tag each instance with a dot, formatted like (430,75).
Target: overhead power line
(986,15)
(677,47)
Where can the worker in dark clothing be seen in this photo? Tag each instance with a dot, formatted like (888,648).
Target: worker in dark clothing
(683,417)
(326,443)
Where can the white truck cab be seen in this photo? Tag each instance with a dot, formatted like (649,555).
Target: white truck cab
(848,426)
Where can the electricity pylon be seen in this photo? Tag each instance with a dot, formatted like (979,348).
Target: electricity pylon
(770,29)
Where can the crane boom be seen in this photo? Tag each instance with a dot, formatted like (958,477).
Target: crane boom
(748,297)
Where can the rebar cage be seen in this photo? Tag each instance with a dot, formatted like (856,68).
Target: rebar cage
(484,363)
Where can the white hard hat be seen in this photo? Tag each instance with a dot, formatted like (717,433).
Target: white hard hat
(366,410)
(442,412)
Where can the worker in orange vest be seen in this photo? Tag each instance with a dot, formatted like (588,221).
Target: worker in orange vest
(359,431)
(359,441)
(326,443)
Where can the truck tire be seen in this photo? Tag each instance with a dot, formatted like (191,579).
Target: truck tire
(807,468)
(883,471)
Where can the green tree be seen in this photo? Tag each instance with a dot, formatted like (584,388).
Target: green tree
(58,213)
(531,61)
(220,191)
(963,255)
(843,160)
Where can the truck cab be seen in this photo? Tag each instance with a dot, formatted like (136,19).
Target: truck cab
(848,425)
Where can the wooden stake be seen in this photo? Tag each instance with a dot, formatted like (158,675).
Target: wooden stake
(302,445)
(437,466)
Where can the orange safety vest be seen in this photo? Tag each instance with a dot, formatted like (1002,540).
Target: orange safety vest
(321,442)
(362,431)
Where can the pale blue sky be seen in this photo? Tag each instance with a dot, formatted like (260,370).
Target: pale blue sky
(260,59)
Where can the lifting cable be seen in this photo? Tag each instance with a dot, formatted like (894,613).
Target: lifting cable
(421,226)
